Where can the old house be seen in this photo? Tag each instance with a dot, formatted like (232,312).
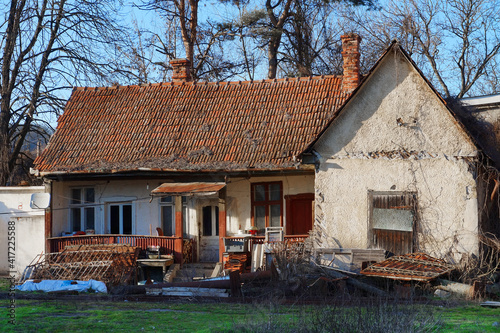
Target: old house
(201,161)
(383,165)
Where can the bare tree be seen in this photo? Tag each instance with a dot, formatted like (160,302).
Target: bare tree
(185,14)
(310,41)
(137,51)
(456,43)
(203,43)
(297,21)
(47,46)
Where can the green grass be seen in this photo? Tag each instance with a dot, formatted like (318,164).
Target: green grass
(470,318)
(96,316)
(64,316)
(4,285)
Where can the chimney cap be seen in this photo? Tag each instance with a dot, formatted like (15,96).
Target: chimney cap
(351,35)
(182,70)
(179,61)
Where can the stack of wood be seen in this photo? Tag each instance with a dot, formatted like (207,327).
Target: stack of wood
(112,264)
(236,262)
(187,251)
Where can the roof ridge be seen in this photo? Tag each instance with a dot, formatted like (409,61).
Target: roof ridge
(214,83)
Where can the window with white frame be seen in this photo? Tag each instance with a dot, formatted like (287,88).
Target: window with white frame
(82,209)
(121,218)
(167,215)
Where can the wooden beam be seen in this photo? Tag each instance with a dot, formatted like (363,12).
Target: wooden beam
(178,230)
(222,221)
(48,231)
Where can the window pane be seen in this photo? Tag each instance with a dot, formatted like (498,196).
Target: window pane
(114,219)
(259,193)
(76,219)
(275,192)
(207,221)
(275,218)
(127,219)
(166,199)
(89,195)
(393,219)
(260,217)
(76,195)
(167,220)
(89,218)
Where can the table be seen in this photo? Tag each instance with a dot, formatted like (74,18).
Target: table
(163,263)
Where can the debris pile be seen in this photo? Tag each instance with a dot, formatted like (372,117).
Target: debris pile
(409,267)
(112,264)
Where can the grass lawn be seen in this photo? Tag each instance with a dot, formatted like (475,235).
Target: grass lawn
(88,316)
(98,316)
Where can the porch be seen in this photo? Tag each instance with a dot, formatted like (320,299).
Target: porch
(176,246)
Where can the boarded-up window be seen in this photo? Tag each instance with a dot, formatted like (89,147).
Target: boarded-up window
(392,221)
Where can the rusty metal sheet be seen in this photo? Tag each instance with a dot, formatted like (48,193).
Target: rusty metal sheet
(187,189)
(413,266)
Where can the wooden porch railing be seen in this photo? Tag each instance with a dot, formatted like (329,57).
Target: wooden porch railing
(260,239)
(57,244)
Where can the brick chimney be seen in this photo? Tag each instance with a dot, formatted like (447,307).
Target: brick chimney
(182,70)
(350,55)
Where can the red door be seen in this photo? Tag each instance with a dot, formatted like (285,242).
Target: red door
(299,213)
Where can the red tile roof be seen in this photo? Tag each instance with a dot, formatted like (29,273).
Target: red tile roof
(191,126)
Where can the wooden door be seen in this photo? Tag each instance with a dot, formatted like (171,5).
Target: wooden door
(209,232)
(299,213)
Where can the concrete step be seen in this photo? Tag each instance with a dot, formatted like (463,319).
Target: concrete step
(194,271)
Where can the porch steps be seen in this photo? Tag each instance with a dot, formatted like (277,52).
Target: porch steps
(194,271)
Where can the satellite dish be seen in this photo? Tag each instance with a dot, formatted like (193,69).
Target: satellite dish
(40,200)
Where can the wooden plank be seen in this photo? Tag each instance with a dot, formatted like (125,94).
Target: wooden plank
(193,292)
(235,282)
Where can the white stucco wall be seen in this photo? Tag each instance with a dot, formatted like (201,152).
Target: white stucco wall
(29,227)
(397,135)
(238,192)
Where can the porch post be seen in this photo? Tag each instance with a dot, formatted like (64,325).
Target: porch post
(48,230)
(48,219)
(222,221)
(178,229)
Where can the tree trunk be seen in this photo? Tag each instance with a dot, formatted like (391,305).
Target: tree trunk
(272,53)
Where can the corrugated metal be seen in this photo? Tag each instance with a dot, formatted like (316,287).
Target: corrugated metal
(185,189)
(414,266)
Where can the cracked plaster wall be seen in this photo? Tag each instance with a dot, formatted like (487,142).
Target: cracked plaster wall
(418,147)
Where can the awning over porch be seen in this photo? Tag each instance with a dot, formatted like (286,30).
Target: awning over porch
(188,189)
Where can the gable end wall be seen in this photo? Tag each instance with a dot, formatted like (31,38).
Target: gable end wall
(396,135)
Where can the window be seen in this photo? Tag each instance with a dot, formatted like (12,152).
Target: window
(210,221)
(167,215)
(82,209)
(121,218)
(267,205)
(392,219)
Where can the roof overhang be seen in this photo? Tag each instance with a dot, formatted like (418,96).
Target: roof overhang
(187,189)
